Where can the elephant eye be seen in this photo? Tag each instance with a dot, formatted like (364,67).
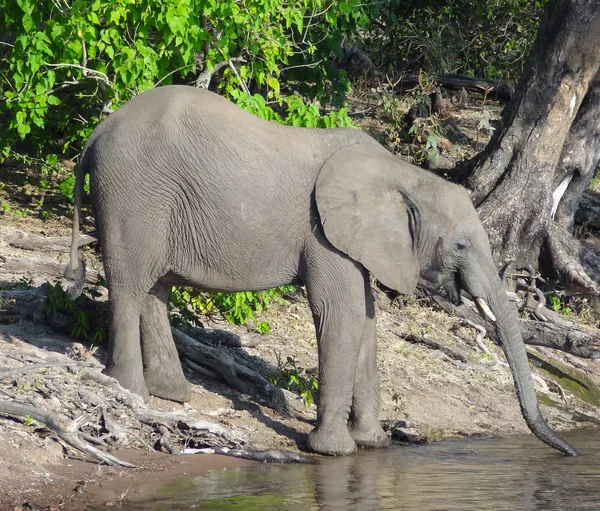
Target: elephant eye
(461,247)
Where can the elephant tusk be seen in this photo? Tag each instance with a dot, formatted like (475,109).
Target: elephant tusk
(484,308)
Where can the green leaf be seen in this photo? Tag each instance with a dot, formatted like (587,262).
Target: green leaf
(25,6)
(53,100)
(23,130)
(274,84)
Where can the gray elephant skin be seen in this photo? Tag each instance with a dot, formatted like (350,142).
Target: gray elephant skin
(189,189)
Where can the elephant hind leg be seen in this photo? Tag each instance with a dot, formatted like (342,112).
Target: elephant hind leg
(162,369)
(364,425)
(124,349)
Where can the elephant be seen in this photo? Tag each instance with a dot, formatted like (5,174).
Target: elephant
(189,189)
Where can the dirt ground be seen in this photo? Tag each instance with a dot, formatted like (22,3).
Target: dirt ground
(433,396)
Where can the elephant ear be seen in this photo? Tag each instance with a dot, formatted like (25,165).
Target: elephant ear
(365,215)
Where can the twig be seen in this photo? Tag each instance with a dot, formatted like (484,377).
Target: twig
(171,73)
(481,333)
(561,391)
(541,299)
(462,365)
(230,63)
(96,75)
(65,431)
(433,345)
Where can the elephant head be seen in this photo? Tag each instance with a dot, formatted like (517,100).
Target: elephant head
(410,227)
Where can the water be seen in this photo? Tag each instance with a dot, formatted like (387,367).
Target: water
(516,473)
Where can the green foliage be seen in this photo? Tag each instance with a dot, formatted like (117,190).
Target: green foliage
(295,112)
(557,305)
(63,62)
(28,421)
(186,304)
(488,39)
(292,377)
(79,322)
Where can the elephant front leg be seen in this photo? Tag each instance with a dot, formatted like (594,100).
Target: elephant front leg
(124,350)
(364,424)
(162,369)
(338,306)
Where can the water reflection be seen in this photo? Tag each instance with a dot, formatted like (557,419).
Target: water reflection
(517,473)
(498,474)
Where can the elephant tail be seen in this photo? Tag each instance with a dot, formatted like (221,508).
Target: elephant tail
(75,269)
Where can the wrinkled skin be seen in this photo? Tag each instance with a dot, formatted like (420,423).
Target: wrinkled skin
(188,189)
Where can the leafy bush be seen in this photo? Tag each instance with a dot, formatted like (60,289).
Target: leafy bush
(292,377)
(65,62)
(186,304)
(488,39)
(75,315)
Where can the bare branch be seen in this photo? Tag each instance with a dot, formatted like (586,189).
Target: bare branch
(91,73)
(65,431)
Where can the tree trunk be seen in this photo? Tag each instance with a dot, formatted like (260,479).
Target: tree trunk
(547,149)
(580,156)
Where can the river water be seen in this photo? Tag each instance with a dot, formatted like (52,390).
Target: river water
(515,473)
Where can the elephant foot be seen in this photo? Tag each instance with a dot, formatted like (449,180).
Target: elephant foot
(172,387)
(137,385)
(371,436)
(332,442)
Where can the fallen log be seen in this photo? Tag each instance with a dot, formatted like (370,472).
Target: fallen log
(492,89)
(38,267)
(34,242)
(567,337)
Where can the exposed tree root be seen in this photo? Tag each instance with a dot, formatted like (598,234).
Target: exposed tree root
(199,355)
(173,420)
(68,432)
(577,262)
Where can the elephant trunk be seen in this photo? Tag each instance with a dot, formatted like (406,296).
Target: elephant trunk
(507,328)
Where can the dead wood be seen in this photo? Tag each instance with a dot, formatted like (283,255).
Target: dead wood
(221,362)
(16,304)
(68,432)
(232,367)
(478,366)
(165,441)
(481,333)
(451,81)
(49,270)
(564,337)
(34,242)
(151,417)
(27,369)
(434,345)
